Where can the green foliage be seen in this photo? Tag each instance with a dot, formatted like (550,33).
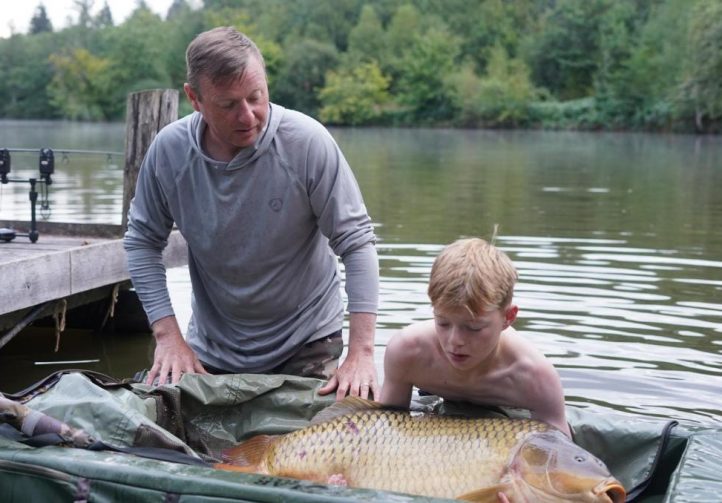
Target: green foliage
(40,22)
(423,89)
(484,24)
(399,37)
(26,71)
(564,55)
(302,74)
(701,90)
(180,27)
(640,93)
(614,64)
(501,98)
(573,114)
(143,37)
(615,42)
(328,20)
(366,40)
(179,9)
(354,96)
(80,84)
(404,24)
(83,7)
(104,19)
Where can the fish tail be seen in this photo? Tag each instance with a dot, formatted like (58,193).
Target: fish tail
(246,456)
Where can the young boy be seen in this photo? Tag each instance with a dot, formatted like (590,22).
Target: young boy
(469,351)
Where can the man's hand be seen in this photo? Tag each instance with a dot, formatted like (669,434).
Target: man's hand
(356,377)
(173,357)
(357,374)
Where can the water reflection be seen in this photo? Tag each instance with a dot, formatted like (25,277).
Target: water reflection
(617,238)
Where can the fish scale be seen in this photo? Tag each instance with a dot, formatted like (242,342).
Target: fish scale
(365,447)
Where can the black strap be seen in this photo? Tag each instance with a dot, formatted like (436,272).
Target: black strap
(157,453)
(53,439)
(637,490)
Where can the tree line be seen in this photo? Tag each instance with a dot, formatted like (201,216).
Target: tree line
(564,64)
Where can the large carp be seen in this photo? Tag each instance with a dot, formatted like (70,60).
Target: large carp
(360,444)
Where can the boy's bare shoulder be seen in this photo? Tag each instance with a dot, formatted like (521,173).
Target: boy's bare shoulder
(412,341)
(415,332)
(521,349)
(532,373)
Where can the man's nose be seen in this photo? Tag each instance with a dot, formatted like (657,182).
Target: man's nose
(245,112)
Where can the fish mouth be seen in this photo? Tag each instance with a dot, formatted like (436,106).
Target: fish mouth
(611,490)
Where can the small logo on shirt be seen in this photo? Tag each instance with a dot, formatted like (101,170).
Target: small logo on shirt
(276,204)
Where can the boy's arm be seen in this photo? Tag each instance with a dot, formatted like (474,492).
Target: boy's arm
(547,397)
(396,390)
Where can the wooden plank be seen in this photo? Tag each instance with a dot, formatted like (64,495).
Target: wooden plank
(65,266)
(34,281)
(97,265)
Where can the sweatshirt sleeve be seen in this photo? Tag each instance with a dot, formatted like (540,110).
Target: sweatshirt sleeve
(342,217)
(149,224)
(362,279)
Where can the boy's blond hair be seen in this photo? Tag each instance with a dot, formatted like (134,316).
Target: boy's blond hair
(472,274)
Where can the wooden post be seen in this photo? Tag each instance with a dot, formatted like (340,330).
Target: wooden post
(147,113)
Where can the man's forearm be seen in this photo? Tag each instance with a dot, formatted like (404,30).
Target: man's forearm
(362,329)
(148,275)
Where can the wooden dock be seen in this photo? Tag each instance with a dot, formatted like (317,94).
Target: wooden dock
(76,263)
(71,265)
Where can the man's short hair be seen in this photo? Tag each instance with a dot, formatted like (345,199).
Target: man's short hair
(220,54)
(472,274)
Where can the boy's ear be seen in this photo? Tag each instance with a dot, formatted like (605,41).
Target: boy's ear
(510,315)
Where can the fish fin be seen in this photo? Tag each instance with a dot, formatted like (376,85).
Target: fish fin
(249,453)
(486,495)
(346,406)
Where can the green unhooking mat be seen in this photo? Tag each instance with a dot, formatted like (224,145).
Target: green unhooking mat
(133,442)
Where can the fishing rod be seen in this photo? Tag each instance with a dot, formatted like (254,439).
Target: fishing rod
(65,152)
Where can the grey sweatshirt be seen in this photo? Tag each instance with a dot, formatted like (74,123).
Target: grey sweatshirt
(263,231)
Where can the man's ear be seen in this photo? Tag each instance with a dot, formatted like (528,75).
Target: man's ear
(192,96)
(510,315)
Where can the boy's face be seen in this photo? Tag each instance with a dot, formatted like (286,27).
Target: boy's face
(468,341)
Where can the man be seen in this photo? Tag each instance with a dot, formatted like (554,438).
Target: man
(266,202)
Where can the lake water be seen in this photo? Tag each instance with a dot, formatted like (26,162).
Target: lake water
(617,239)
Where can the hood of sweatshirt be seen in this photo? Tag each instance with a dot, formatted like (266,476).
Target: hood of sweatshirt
(197,126)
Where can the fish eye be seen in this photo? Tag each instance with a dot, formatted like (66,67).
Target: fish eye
(579,458)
